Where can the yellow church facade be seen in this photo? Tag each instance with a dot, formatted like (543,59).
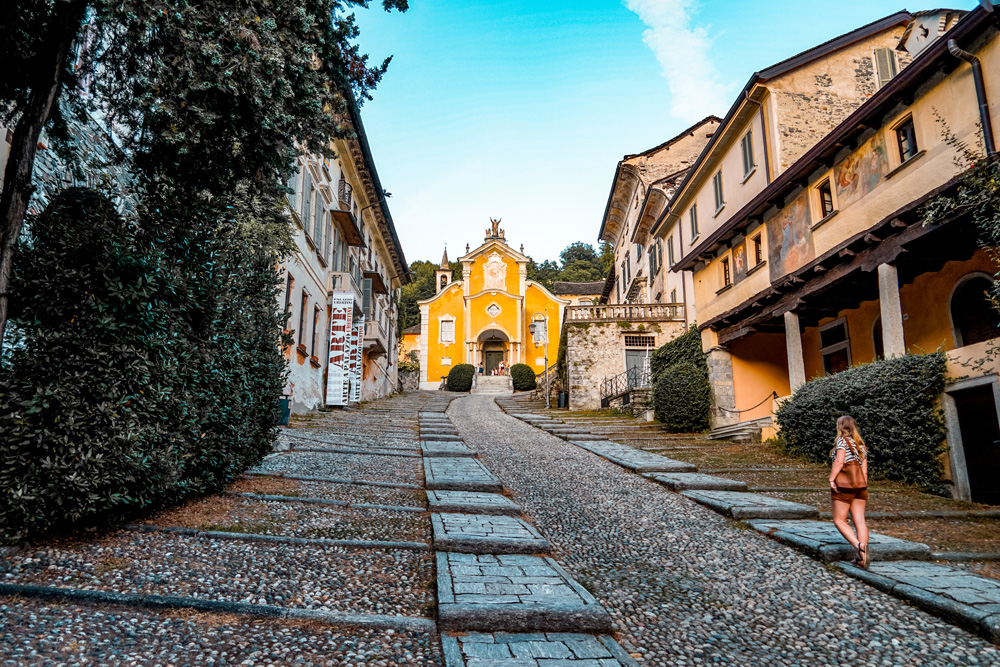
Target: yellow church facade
(485,316)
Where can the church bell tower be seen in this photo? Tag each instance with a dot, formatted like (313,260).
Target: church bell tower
(442,276)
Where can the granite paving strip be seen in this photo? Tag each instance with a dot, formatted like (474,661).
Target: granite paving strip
(471,502)
(486,534)
(410,495)
(684,481)
(394,470)
(35,633)
(949,592)
(513,594)
(685,585)
(326,501)
(459,474)
(444,448)
(394,582)
(738,505)
(822,540)
(537,649)
(336,480)
(366,452)
(634,459)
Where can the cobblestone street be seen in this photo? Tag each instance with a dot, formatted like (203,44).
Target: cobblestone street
(346,546)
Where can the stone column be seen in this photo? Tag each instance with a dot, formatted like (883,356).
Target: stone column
(893,343)
(720,379)
(793,343)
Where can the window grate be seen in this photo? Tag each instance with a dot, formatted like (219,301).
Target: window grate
(640,341)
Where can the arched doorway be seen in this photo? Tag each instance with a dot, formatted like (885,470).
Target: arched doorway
(973,315)
(493,348)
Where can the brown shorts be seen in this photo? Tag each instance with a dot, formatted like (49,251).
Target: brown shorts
(845,495)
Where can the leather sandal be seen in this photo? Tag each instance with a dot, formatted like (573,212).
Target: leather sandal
(866,558)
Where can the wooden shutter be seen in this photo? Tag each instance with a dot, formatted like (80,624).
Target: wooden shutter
(307,193)
(366,297)
(885,65)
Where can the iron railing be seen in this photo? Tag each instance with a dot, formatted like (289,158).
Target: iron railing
(623,383)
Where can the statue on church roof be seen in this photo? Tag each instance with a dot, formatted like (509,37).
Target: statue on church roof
(495,232)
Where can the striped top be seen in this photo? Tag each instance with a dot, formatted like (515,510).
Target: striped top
(842,443)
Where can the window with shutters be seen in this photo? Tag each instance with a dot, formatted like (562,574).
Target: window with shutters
(746,145)
(318,222)
(673,295)
(447,331)
(835,346)
(366,298)
(315,336)
(302,319)
(670,252)
(906,138)
(654,265)
(727,273)
(293,185)
(720,199)
(758,250)
(693,215)
(825,198)
(885,65)
(307,193)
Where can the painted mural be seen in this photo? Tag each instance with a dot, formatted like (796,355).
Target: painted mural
(789,238)
(740,264)
(861,171)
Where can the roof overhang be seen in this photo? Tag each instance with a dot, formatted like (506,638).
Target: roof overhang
(652,207)
(622,188)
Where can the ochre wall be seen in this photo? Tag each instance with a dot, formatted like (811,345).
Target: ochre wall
(536,300)
(760,366)
(477,280)
(408,343)
(449,302)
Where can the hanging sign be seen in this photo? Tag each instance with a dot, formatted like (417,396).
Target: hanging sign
(341,333)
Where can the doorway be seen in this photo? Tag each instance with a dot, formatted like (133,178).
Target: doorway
(492,360)
(979,429)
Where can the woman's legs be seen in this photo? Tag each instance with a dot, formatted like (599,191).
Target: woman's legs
(840,509)
(858,514)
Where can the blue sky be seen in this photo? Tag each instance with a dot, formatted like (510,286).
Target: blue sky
(521,110)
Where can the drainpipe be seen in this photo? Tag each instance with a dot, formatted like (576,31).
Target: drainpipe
(984,107)
(763,135)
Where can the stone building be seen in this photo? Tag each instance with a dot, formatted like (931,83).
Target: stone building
(485,316)
(849,271)
(781,113)
(339,284)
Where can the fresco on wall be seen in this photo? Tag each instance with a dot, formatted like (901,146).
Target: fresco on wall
(740,262)
(861,171)
(789,238)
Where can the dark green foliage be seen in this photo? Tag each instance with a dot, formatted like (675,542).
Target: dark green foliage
(894,403)
(123,393)
(460,377)
(562,368)
(686,347)
(523,377)
(682,398)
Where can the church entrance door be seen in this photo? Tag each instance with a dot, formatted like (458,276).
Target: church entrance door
(492,360)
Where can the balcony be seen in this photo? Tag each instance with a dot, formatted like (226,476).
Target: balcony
(376,340)
(627,312)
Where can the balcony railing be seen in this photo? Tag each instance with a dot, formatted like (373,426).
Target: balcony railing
(627,312)
(375,338)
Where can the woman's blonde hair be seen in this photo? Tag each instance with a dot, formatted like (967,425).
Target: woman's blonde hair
(847,428)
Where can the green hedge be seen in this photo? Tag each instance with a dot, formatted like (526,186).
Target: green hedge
(133,382)
(460,377)
(686,347)
(523,377)
(894,402)
(682,397)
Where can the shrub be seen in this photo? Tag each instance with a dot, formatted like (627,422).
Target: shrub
(686,347)
(132,384)
(460,377)
(682,398)
(523,377)
(894,403)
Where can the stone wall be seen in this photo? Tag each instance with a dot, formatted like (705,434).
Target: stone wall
(595,351)
(409,380)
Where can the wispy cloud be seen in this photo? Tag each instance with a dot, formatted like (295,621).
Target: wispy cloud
(683,52)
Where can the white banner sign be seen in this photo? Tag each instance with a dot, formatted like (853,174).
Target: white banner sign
(341,333)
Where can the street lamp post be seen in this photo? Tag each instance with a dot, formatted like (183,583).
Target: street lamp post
(539,318)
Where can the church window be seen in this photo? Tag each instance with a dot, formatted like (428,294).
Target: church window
(447,334)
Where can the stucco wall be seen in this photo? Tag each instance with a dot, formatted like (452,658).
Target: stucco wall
(595,351)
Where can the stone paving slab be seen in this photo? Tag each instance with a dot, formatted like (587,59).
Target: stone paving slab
(822,540)
(440,437)
(949,592)
(535,649)
(687,481)
(471,502)
(751,505)
(513,594)
(459,474)
(486,534)
(444,448)
(634,459)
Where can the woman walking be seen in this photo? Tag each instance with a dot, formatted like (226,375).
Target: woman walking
(849,487)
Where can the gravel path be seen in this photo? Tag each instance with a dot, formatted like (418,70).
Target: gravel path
(689,587)
(62,634)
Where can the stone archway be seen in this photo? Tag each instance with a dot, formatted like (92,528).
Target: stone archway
(493,346)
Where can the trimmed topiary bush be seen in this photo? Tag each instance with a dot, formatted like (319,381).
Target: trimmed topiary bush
(460,377)
(894,402)
(686,347)
(523,377)
(682,398)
